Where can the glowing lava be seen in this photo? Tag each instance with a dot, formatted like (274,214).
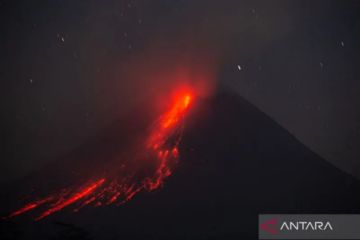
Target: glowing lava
(77,196)
(161,152)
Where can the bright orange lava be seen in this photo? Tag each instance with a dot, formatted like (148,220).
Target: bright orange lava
(77,196)
(161,145)
(168,123)
(176,112)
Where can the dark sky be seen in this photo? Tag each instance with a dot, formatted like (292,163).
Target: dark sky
(70,68)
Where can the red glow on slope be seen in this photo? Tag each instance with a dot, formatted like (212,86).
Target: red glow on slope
(176,112)
(169,120)
(161,145)
(168,123)
(30,206)
(79,195)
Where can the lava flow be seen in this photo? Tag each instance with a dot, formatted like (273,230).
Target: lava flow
(159,154)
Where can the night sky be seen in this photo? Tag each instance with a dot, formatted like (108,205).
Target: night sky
(278,103)
(71,68)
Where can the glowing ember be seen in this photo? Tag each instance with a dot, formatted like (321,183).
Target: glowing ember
(85,192)
(30,206)
(161,147)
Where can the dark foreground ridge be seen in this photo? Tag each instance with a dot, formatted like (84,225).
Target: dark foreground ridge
(235,163)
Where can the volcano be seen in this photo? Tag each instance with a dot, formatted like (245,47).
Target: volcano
(235,163)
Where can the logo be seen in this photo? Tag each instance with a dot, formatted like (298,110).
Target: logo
(306,226)
(309,226)
(270,226)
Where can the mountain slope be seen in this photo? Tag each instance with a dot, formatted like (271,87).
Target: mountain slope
(235,163)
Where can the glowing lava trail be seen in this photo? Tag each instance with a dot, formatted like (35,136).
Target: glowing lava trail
(159,153)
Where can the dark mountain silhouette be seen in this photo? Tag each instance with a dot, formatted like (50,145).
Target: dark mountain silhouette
(236,162)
